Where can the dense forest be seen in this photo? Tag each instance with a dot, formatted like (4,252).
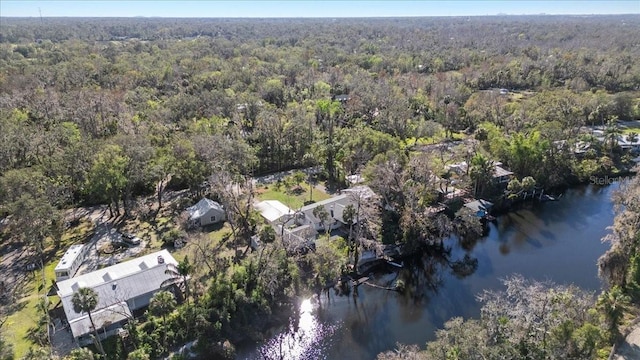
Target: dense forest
(109,110)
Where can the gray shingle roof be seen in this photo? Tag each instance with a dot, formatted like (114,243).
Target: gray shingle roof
(202,207)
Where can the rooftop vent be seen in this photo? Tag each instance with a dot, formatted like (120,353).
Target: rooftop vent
(114,286)
(160,259)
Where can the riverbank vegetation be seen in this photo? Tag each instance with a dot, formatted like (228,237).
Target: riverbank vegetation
(122,112)
(533,320)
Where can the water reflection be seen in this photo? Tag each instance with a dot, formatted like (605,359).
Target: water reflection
(300,340)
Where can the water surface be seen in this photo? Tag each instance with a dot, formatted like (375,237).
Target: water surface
(558,241)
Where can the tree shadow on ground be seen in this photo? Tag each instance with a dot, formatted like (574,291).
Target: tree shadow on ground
(334,187)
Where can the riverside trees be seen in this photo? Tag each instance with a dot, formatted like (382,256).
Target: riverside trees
(529,320)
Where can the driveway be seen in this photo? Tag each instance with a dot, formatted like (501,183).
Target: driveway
(630,349)
(104,234)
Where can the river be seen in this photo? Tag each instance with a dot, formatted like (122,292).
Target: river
(558,241)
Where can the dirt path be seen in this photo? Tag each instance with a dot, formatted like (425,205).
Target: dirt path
(630,349)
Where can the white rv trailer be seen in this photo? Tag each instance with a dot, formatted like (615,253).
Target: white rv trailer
(70,262)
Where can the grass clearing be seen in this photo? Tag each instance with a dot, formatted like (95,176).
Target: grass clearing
(16,329)
(18,324)
(631,126)
(292,200)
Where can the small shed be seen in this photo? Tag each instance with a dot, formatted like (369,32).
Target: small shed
(206,212)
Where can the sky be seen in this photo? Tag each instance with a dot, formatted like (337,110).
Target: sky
(293,8)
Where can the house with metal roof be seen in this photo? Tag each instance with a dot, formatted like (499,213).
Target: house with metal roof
(122,289)
(206,212)
(274,211)
(500,174)
(334,207)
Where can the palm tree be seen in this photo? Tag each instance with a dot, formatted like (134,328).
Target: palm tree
(179,275)
(349,215)
(321,213)
(632,137)
(161,304)
(85,300)
(611,133)
(613,303)
(481,173)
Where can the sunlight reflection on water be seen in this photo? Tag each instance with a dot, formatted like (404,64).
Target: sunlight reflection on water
(302,339)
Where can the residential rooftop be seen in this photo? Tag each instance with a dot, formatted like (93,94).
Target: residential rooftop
(118,283)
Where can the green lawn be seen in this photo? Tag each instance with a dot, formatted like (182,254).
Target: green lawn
(630,130)
(631,127)
(292,200)
(18,324)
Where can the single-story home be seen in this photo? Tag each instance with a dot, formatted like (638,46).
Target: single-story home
(343,98)
(274,211)
(122,289)
(334,208)
(206,212)
(500,174)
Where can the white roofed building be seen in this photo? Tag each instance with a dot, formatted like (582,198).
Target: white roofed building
(70,262)
(274,211)
(121,288)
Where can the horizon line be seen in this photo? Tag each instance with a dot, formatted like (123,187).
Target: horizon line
(306,17)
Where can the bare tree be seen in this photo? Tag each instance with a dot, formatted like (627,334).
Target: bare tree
(236,194)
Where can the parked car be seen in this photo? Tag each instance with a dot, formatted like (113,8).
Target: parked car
(131,239)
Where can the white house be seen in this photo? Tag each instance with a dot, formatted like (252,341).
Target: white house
(121,288)
(334,207)
(206,212)
(274,211)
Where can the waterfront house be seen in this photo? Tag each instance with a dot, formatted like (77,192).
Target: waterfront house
(500,174)
(480,207)
(334,207)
